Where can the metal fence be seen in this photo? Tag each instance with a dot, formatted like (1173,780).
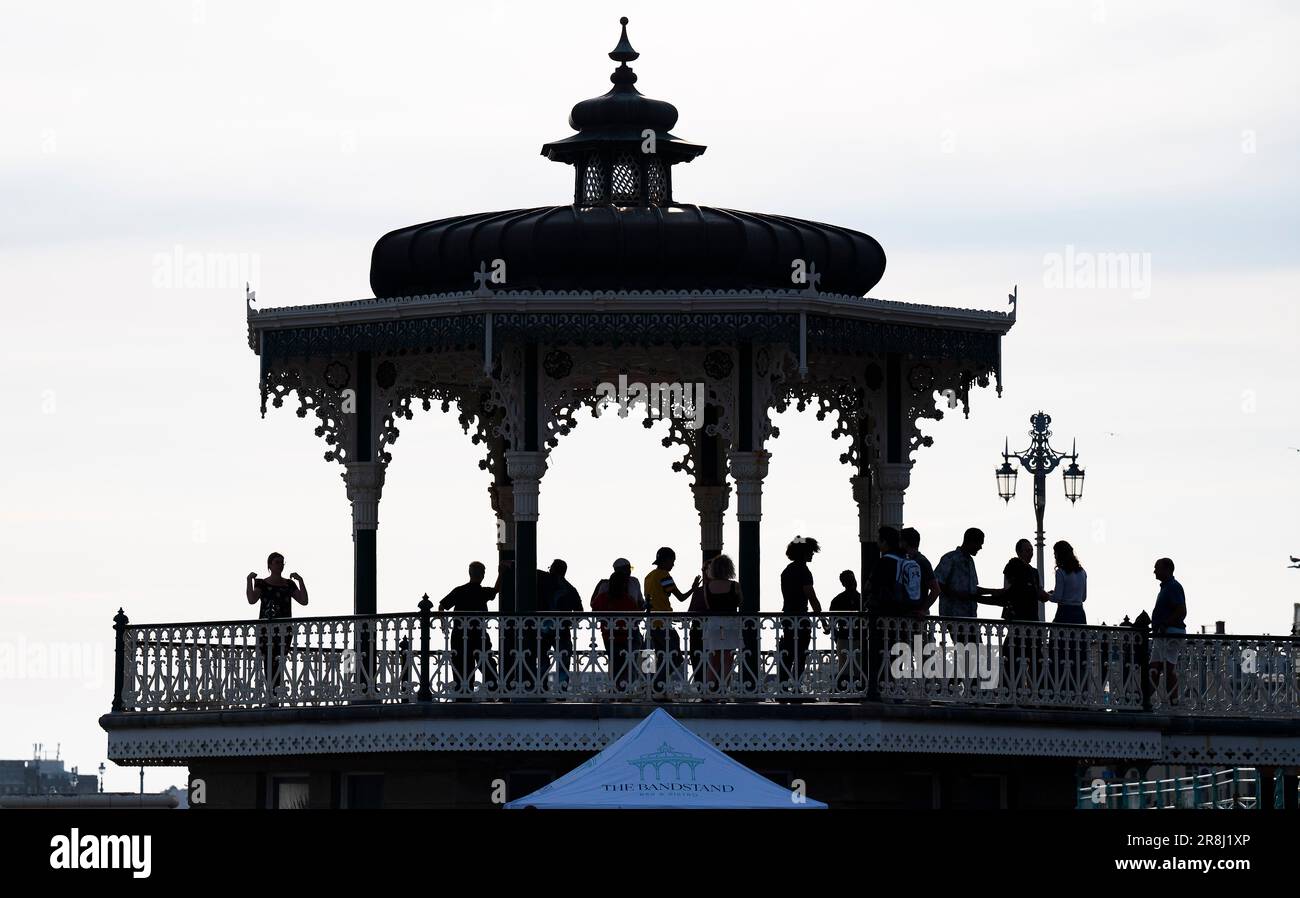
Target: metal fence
(434,657)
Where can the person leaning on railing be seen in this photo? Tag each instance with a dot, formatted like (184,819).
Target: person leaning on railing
(471,645)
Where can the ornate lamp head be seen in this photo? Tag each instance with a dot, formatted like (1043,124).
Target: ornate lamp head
(1006,476)
(1073,476)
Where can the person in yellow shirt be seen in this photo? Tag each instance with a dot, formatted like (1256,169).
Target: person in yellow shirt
(660,590)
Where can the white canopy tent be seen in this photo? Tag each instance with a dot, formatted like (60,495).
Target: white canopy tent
(659,764)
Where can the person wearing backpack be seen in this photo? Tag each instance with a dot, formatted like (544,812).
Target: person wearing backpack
(886,592)
(910,541)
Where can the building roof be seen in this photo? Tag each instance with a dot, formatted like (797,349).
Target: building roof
(624,230)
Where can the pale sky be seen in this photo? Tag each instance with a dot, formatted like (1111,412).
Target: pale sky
(974,141)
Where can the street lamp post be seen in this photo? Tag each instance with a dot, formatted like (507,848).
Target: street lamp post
(1040,459)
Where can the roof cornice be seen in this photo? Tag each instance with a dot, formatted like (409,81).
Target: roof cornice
(472,302)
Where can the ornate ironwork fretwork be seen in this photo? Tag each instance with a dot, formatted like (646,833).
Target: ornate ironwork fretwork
(324,387)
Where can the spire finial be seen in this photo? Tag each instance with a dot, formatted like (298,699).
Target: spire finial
(623,52)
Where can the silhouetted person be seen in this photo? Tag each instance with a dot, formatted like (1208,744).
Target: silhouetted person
(1021,592)
(698,609)
(722,636)
(1168,625)
(470,644)
(886,598)
(276,596)
(959,589)
(847,632)
(614,597)
(887,594)
(1069,593)
(557,597)
(909,540)
(660,590)
(1071,588)
(797,594)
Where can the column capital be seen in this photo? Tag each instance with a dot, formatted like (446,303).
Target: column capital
(365,483)
(526,470)
(502,495)
(861,488)
(894,475)
(711,498)
(749,467)
(867,525)
(893,479)
(521,465)
(711,501)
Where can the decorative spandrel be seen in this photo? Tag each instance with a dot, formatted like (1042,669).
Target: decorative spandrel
(670,387)
(847,388)
(326,388)
(444,379)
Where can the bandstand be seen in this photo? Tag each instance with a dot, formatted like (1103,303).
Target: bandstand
(515,318)
(708,320)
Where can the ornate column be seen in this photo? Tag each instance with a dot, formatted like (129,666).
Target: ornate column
(365,484)
(892,478)
(748,468)
(502,494)
(525,469)
(867,525)
(711,501)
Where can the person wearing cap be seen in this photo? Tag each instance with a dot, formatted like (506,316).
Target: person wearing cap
(619,595)
(660,590)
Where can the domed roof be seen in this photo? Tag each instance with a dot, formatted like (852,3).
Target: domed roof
(624,231)
(624,248)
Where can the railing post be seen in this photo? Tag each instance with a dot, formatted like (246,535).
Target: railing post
(425,693)
(1267,788)
(404,659)
(1144,667)
(119,662)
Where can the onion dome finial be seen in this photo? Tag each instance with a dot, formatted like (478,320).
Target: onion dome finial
(623,52)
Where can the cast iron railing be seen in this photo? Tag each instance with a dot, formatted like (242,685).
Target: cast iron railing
(434,657)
